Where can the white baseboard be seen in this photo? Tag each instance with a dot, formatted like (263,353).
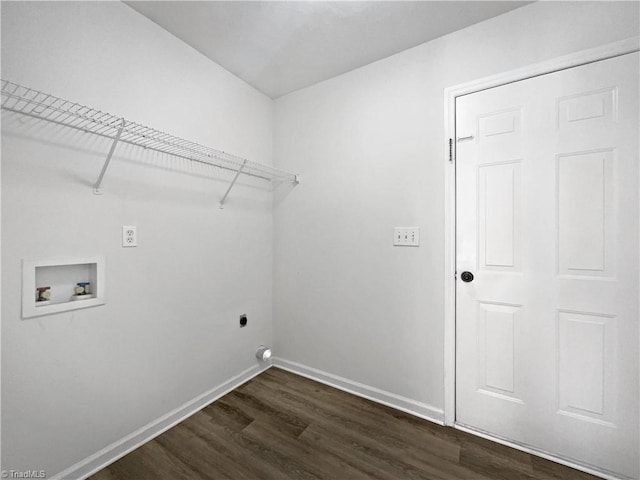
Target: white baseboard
(120,448)
(374,394)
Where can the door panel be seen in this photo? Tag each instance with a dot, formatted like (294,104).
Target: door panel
(498,328)
(585,244)
(499,216)
(547,220)
(585,360)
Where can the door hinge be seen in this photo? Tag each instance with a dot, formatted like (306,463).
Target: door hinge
(451,149)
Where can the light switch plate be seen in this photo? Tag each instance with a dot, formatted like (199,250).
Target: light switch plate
(406,236)
(129,236)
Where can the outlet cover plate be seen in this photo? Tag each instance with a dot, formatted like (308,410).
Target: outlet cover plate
(129,236)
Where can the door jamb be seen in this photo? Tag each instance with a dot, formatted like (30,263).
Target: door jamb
(561,63)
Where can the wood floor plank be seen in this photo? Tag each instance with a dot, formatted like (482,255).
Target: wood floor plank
(281,426)
(547,469)
(152,462)
(229,415)
(253,459)
(485,458)
(196,452)
(407,464)
(259,408)
(325,395)
(401,438)
(361,455)
(105,474)
(324,463)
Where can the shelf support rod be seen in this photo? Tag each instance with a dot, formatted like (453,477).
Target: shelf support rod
(232,184)
(96,186)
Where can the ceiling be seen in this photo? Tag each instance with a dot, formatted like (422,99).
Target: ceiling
(282,46)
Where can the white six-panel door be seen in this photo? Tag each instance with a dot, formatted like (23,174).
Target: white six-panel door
(547,201)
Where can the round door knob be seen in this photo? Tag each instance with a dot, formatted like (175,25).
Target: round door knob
(466,277)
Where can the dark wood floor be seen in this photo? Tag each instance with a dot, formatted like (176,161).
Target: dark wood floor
(283,426)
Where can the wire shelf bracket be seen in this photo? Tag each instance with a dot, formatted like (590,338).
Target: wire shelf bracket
(33,103)
(96,187)
(233,182)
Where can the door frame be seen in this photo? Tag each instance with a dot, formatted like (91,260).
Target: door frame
(576,59)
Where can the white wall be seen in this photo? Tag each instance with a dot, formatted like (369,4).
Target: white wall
(75,382)
(369,148)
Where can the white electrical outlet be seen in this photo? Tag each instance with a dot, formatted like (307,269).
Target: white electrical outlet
(406,236)
(129,236)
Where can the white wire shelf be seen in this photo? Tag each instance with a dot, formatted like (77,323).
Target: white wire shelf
(33,103)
